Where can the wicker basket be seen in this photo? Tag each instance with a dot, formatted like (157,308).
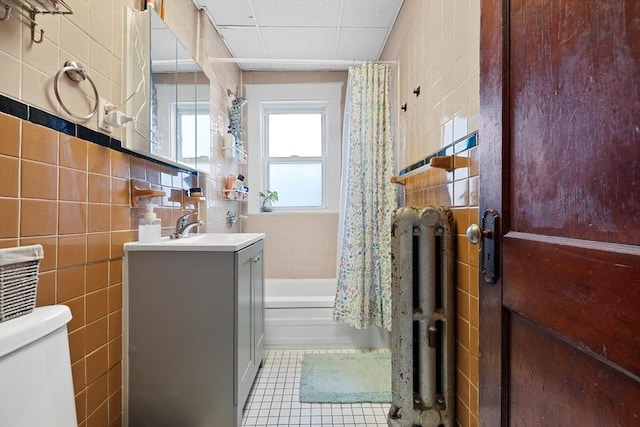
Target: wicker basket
(19,280)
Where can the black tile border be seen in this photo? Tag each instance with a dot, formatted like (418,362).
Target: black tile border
(34,115)
(93,136)
(43,118)
(463,144)
(14,108)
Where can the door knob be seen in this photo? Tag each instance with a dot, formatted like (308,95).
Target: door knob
(474,234)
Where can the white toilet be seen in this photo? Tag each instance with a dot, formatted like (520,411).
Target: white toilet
(36,388)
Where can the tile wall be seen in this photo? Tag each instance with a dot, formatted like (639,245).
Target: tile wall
(435,44)
(459,191)
(72,197)
(91,35)
(68,191)
(297,245)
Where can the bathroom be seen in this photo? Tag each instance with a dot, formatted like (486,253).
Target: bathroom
(66,185)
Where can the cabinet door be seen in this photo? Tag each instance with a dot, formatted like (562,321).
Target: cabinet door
(244,322)
(257,279)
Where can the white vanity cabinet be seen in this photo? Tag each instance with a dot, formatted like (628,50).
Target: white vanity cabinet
(194,325)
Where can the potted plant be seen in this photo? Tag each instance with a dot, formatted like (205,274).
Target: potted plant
(268,199)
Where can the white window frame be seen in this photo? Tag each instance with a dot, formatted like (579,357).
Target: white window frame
(265,96)
(296,108)
(190,109)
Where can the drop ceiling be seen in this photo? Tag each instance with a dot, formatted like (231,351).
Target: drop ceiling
(274,35)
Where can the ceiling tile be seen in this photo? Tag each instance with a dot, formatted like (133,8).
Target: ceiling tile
(243,42)
(301,30)
(297,13)
(230,12)
(361,44)
(369,13)
(307,43)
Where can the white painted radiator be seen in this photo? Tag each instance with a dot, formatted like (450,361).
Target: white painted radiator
(423,326)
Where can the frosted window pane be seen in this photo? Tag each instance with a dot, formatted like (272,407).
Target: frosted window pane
(297,184)
(189,132)
(203,135)
(295,135)
(187,135)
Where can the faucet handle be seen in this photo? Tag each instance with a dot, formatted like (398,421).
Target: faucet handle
(182,221)
(185,215)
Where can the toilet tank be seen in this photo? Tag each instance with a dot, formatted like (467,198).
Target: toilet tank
(36,388)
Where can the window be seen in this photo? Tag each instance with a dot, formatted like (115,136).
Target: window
(295,154)
(294,145)
(193,131)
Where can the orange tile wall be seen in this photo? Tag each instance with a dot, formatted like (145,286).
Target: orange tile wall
(459,191)
(72,197)
(435,46)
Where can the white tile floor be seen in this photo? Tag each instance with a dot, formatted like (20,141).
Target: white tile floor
(274,400)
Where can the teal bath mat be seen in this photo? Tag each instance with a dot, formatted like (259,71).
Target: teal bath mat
(346,378)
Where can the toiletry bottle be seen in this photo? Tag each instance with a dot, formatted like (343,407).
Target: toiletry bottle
(239,183)
(239,188)
(149,229)
(229,145)
(229,186)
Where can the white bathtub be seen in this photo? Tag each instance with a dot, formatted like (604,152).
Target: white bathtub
(298,315)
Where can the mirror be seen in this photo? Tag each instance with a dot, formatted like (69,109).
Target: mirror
(167,93)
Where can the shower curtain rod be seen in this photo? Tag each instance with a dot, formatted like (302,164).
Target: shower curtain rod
(297,61)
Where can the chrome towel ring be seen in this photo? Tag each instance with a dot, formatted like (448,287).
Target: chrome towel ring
(76,72)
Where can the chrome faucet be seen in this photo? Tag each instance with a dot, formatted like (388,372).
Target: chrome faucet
(182,221)
(183,227)
(184,231)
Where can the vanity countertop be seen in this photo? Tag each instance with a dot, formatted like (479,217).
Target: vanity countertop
(212,242)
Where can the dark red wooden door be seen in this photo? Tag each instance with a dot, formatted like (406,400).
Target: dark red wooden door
(560,162)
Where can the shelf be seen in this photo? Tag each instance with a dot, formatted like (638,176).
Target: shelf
(27,10)
(144,193)
(192,201)
(180,196)
(447,163)
(236,154)
(234,195)
(447,158)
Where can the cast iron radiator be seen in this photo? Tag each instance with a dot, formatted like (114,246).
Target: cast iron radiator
(423,363)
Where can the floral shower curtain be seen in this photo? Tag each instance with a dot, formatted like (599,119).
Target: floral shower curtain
(368,198)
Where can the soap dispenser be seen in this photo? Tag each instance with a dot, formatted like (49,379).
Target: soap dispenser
(149,228)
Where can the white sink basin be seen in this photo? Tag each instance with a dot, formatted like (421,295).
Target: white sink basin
(216,242)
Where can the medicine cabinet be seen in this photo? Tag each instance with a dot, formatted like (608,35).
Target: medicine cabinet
(167,93)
